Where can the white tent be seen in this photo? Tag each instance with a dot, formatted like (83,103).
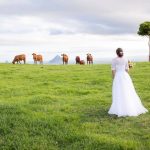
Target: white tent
(56,60)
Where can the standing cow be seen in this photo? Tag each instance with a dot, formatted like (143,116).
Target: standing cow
(64,58)
(19,58)
(77,60)
(37,58)
(89,59)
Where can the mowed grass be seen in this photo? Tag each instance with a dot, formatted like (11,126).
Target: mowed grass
(44,107)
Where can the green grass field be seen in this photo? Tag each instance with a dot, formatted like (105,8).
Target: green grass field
(65,108)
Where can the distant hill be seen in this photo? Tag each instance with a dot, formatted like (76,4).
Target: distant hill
(56,60)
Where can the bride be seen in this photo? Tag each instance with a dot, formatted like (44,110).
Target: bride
(125,101)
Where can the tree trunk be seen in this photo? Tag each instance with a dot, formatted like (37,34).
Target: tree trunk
(149,47)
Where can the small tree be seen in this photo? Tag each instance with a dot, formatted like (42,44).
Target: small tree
(144,30)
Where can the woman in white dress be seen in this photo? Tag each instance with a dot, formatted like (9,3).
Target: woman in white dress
(125,101)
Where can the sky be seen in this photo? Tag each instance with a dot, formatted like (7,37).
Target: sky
(74,27)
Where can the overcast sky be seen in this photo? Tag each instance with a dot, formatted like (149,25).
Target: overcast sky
(72,26)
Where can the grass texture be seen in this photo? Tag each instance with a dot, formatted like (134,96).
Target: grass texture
(56,107)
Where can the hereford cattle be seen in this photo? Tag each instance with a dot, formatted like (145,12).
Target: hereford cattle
(19,58)
(82,62)
(37,58)
(64,58)
(89,59)
(77,60)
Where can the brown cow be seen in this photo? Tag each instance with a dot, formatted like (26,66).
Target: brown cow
(37,58)
(19,58)
(77,60)
(82,62)
(64,58)
(89,59)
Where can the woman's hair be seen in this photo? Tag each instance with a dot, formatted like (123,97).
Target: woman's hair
(119,52)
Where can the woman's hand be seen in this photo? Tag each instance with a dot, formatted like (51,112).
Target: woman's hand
(113,73)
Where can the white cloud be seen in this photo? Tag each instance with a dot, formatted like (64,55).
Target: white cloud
(89,16)
(75,25)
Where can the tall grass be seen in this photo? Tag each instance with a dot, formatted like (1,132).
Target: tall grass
(47,107)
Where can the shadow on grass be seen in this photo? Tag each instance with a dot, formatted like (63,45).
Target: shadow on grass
(100,114)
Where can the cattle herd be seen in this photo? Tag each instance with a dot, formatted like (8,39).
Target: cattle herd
(38,58)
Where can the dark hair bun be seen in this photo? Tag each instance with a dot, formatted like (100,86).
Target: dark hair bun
(119,52)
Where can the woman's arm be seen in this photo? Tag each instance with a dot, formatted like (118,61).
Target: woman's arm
(127,66)
(113,73)
(113,68)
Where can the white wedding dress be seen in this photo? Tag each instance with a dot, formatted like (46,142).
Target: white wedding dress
(125,101)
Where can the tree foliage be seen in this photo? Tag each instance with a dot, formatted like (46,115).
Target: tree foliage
(144,29)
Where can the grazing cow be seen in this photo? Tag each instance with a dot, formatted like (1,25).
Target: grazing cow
(37,58)
(82,62)
(89,59)
(19,58)
(77,60)
(64,58)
